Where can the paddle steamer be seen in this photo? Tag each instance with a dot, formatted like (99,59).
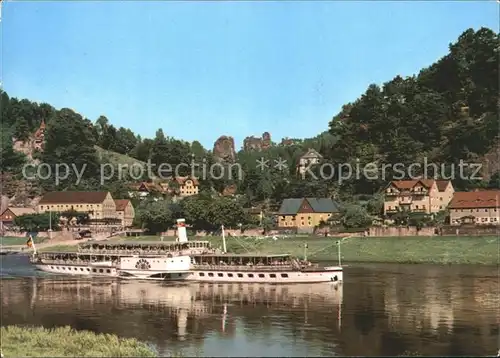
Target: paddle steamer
(183,260)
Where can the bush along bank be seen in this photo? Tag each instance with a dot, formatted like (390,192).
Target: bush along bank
(66,342)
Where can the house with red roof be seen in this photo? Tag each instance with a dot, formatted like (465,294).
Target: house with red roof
(125,212)
(480,207)
(420,195)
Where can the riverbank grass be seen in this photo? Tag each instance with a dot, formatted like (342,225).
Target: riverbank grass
(432,249)
(66,342)
(14,241)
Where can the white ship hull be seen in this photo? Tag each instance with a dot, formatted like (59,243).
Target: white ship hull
(78,270)
(331,274)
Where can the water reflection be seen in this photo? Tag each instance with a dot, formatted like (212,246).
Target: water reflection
(381,310)
(432,310)
(159,313)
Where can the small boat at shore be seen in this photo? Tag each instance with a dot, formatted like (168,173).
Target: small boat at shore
(183,260)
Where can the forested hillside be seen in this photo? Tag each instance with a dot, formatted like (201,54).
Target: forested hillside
(448,112)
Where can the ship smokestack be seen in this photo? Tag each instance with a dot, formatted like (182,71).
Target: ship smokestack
(181,230)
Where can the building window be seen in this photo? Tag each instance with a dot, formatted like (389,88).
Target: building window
(229,275)
(240,275)
(220,274)
(261,275)
(210,274)
(201,274)
(272,275)
(285,275)
(250,275)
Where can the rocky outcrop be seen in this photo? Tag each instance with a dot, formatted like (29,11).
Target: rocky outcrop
(35,142)
(224,149)
(255,143)
(286,142)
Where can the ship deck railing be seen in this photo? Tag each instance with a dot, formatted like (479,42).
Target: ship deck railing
(72,262)
(139,252)
(244,267)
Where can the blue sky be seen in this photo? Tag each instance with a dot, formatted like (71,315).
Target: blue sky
(200,70)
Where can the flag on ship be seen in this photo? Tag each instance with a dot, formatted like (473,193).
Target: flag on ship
(29,243)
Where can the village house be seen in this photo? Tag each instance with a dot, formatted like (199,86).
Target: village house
(125,212)
(143,189)
(180,186)
(187,186)
(422,195)
(306,212)
(475,207)
(8,216)
(99,205)
(312,157)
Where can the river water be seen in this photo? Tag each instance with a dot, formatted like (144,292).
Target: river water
(379,310)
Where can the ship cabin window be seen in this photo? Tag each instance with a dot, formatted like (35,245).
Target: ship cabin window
(64,268)
(272,275)
(201,274)
(284,275)
(94,270)
(250,275)
(261,275)
(51,267)
(240,275)
(101,270)
(211,274)
(88,269)
(108,271)
(81,269)
(76,268)
(229,275)
(220,274)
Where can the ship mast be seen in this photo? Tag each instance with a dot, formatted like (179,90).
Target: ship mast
(223,239)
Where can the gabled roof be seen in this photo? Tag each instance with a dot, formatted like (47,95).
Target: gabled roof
(442,184)
(312,153)
(182,180)
(74,197)
(323,205)
(475,199)
(121,204)
(20,211)
(426,183)
(319,205)
(148,186)
(290,206)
